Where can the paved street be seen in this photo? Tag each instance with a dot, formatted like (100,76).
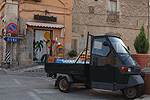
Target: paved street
(31,86)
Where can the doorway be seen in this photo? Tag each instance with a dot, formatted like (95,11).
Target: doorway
(39,44)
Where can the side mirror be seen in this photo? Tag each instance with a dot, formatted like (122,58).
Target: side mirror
(128,48)
(105,43)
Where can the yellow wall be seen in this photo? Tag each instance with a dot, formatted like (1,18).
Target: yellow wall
(24,10)
(62,9)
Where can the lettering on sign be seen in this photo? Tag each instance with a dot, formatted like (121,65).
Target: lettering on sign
(45,18)
(10,39)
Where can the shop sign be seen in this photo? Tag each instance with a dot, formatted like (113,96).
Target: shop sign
(45,18)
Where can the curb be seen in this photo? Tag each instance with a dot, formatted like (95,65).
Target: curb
(21,70)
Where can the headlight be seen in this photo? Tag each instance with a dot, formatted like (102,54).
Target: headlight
(129,70)
(125,69)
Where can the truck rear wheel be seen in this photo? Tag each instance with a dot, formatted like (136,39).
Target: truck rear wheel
(131,92)
(64,85)
(88,85)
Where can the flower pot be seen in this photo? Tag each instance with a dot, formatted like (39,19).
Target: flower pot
(147,83)
(141,59)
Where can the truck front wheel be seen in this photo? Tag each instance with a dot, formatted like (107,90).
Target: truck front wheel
(131,92)
(64,85)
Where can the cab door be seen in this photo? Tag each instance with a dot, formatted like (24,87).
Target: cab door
(101,69)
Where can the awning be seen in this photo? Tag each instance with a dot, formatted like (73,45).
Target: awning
(44,25)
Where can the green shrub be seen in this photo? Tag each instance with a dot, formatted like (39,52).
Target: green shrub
(141,44)
(72,53)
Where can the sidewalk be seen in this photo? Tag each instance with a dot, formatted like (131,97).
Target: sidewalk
(144,97)
(146,70)
(23,68)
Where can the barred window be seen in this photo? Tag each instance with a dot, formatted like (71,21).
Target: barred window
(91,9)
(74,44)
(112,14)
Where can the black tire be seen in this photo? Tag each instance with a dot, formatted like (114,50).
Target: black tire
(64,85)
(131,92)
(56,81)
(88,86)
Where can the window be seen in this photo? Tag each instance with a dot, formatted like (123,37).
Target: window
(112,14)
(74,44)
(99,48)
(118,45)
(91,9)
(113,6)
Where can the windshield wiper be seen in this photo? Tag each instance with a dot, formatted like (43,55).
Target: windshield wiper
(128,53)
(126,58)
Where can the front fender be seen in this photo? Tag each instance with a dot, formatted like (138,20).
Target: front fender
(135,80)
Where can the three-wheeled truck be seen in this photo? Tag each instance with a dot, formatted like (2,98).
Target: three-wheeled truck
(111,67)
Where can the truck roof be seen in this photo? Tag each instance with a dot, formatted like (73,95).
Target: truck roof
(109,35)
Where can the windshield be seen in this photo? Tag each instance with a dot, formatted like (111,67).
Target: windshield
(99,48)
(118,45)
(122,51)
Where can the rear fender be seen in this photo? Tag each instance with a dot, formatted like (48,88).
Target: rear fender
(65,75)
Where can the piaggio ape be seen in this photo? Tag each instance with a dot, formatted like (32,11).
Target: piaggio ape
(111,67)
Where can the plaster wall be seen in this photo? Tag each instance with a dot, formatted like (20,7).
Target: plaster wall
(62,9)
(22,11)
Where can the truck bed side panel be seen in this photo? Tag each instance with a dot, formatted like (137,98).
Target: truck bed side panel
(70,69)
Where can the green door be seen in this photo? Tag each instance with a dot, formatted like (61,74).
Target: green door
(101,70)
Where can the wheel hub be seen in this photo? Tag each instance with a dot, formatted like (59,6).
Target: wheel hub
(130,92)
(63,84)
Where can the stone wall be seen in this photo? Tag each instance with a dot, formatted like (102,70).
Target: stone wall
(26,48)
(132,15)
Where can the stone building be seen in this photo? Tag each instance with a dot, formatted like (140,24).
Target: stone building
(34,18)
(104,16)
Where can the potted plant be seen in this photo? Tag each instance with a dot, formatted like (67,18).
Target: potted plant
(141,45)
(72,53)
